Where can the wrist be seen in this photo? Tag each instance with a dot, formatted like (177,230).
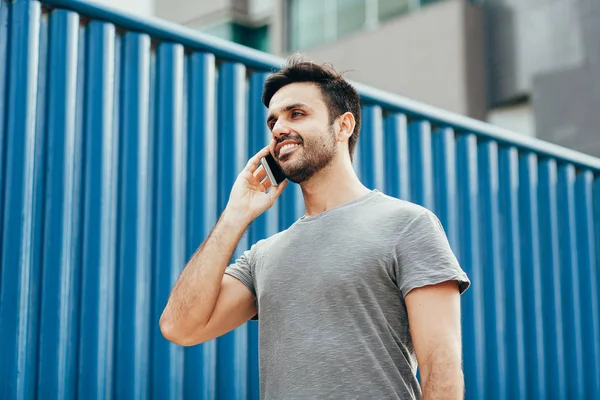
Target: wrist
(233,217)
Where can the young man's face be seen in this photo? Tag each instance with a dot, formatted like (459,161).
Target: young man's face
(303,141)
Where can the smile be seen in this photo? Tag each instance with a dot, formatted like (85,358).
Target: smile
(287,149)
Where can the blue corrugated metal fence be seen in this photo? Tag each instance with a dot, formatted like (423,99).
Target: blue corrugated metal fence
(119,141)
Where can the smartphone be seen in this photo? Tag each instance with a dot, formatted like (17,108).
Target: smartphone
(274,171)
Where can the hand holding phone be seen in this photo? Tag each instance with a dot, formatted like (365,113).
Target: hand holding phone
(254,191)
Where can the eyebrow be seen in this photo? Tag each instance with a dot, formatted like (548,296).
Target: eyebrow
(286,109)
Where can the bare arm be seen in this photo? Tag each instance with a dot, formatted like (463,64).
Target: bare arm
(204,302)
(434,319)
(194,296)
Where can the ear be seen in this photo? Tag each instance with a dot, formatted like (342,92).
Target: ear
(346,125)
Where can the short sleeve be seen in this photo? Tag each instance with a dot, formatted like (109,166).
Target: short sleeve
(423,256)
(243,270)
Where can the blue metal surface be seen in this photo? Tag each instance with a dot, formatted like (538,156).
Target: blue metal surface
(200,361)
(120,138)
(421,164)
(59,316)
(133,310)
(570,282)
(397,178)
(493,277)
(4,76)
(532,277)
(444,180)
(588,278)
(371,146)
(99,219)
(20,272)
(169,210)
(551,278)
(516,381)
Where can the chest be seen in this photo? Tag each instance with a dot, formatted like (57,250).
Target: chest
(325,266)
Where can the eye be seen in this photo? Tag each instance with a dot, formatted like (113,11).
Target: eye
(296,114)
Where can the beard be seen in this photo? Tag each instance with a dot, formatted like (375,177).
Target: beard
(313,155)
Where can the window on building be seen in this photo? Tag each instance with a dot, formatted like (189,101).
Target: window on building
(315,22)
(254,37)
(308,23)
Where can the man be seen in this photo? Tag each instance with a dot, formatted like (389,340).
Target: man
(349,297)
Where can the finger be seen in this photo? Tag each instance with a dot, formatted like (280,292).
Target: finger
(266,184)
(277,190)
(254,162)
(260,173)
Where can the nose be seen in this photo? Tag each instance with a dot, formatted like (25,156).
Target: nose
(280,129)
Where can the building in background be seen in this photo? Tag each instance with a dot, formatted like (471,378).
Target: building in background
(531,66)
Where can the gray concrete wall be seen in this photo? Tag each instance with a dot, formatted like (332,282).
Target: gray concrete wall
(567,102)
(434,55)
(530,37)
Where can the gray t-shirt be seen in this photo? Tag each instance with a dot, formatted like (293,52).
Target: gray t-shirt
(330,298)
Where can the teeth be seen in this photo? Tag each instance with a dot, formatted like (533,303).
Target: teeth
(287,148)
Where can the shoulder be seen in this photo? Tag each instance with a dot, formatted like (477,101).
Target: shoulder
(402,211)
(402,218)
(263,246)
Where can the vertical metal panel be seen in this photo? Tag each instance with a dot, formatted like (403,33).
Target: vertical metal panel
(4,76)
(397,177)
(371,148)
(474,339)
(551,280)
(421,171)
(569,284)
(79,209)
(60,287)
(19,280)
(201,360)
(491,260)
(232,362)
(266,224)
(132,342)
(515,381)
(169,214)
(38,227)
(532,277)
(588,278)
(444,179)
(98,258)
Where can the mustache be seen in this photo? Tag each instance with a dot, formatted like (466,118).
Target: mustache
(289,137)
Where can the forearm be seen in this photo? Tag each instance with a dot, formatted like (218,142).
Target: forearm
(194,295)
(443,379)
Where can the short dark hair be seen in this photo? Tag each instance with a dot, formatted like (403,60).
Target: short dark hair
(338,94)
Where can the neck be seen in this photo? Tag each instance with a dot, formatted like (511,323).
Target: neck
(331,187)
